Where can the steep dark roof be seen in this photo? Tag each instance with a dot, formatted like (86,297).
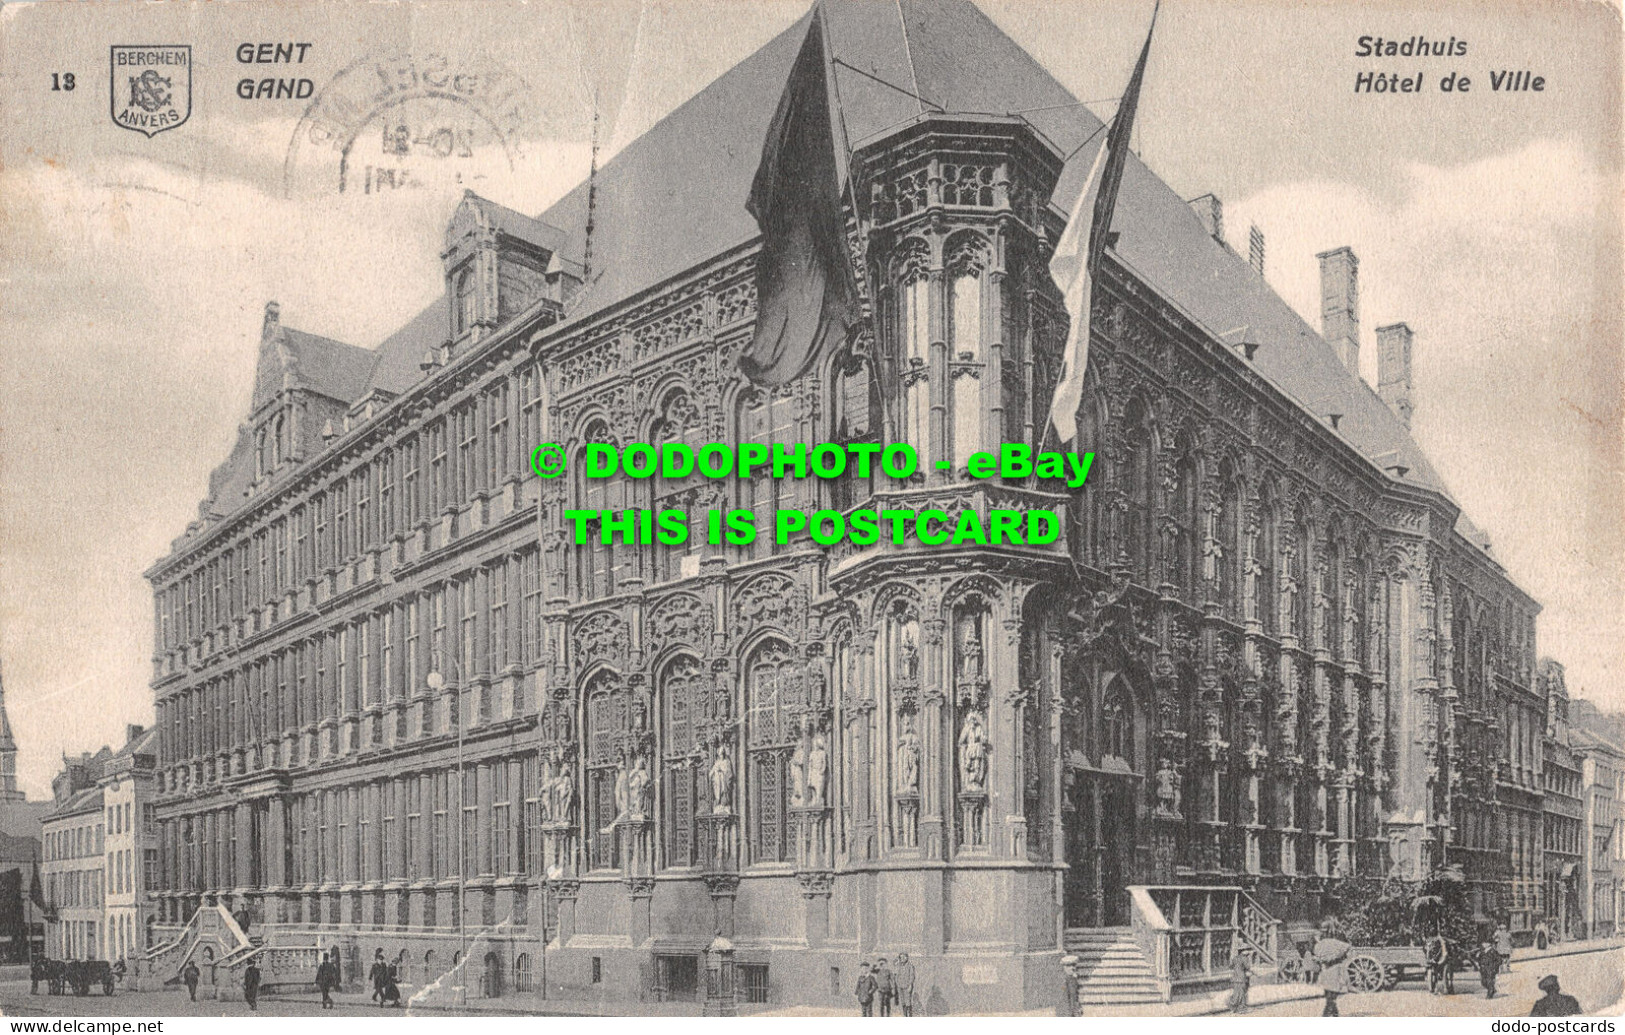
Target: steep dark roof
(296,359)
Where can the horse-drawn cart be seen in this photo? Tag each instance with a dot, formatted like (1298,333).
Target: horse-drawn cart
(1373,968)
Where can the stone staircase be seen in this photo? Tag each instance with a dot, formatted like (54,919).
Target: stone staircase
(1112,971)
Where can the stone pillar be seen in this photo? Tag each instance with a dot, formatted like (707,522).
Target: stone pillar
(724,890)
(481,818)
(815,892)
(642,890)
(243,863)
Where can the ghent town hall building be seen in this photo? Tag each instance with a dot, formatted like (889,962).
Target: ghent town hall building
(401,709)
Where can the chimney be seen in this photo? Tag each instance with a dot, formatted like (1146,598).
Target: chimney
(1255,249)
(132,731)
(1394,368)
(273,317)
(1210,210)
(1340,304)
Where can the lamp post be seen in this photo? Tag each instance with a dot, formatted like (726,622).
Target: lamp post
(437,682)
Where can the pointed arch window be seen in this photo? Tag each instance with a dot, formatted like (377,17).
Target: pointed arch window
(595,559)
(679,421)
(1267,589)
(1231,548)
(910,279)
(609,721)
(767,416)
(682,703)
(773,700)
(857,419)
(1184,512)
(1136,488)
(967,261)
(463,309)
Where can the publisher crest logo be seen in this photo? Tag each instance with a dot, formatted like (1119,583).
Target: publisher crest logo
(151,86)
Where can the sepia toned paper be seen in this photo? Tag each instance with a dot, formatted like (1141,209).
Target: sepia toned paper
(317,666)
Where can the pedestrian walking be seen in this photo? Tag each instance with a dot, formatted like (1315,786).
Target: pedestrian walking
(1554,1003)
(327,979)
(902,977)
(1489,965)
(251,984)
(1332,955)
(379,976)
(1241,980)
(36,974)
(885,989)
(866,991)
(1503,947)
(190,976)
(392,988)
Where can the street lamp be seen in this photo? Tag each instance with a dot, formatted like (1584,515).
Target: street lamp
(437,682)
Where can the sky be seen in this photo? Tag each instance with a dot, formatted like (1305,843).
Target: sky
(134,270)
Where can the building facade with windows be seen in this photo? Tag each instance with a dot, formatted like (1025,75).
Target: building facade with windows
(1563,803)
(130,844)
(399,706)
(73,839)
(1603,780)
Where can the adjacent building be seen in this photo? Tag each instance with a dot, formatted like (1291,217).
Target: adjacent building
(73,838)
(1603,781)
(1564,835)
(99,852)
(400,707)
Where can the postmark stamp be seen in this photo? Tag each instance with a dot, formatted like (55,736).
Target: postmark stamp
(150,86)
(399,121)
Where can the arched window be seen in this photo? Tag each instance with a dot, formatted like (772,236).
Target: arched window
(261,454)
(1087,500)
(1267,590)
(773,696)
(856,405)
(1302,545)
(279,441)
(967,362)
(682,703)
(1117,724)
(909,280)
(608,720)
(1184,511)
(521,973)
(679,421)
(1334,590)
(595,560)
(1137,488)
(1228,563)
(767,416)
(463,311)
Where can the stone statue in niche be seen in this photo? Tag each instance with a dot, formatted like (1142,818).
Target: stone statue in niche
(623,772)
(562,793)
(970,651)
(798,771)
(1168,790)
(817,771)
(908,651)
(907,761)
(638,788)
(974,747)
(722,780)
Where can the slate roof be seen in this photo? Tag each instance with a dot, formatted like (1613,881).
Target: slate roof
(674,198)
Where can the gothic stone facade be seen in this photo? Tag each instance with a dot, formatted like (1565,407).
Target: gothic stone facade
(1258,658)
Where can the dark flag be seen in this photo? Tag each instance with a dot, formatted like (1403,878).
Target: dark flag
(1073,267)
(805,292)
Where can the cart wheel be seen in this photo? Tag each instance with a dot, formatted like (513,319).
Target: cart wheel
(1365,974)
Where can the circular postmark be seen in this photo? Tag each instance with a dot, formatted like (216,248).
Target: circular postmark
(399,121)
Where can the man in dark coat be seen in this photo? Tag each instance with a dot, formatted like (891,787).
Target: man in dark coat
(1554,1003)
(251,984)
(866,991)
(392,988)
(1489,965)
(903,980)
(190,976)
(327,979)
(884,988)
(36,974)
(379,976)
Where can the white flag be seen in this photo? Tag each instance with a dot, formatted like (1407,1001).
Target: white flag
(1069,265)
